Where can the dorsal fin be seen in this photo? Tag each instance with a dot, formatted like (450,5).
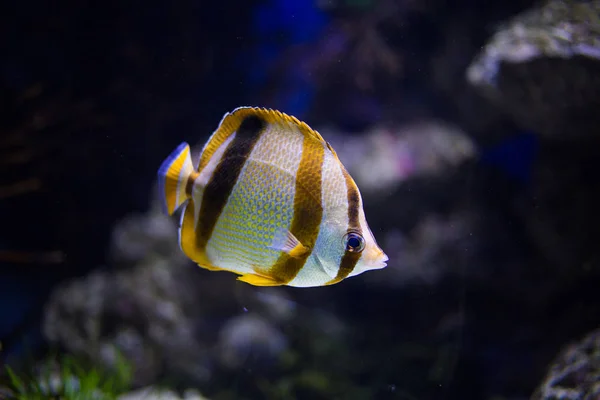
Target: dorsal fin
(231,122)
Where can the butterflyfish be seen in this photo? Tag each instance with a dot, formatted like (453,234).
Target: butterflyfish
(270,201)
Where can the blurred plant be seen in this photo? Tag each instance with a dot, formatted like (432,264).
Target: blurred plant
(68,378)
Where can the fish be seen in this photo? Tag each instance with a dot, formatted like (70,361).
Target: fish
(270,201)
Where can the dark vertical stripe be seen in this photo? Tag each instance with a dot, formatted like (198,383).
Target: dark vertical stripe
(308,209)
(353,203)
(225,176)
(349,259)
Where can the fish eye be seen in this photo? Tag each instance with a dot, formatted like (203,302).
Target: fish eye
(354,242)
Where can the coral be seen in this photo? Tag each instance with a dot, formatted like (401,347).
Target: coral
(385,156)
(245,335)
(144,309)
(139,237)
(388,160)
(575,374)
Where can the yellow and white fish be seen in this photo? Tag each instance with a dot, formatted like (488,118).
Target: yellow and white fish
(270,201)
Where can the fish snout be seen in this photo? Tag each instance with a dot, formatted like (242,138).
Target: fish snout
(376,258)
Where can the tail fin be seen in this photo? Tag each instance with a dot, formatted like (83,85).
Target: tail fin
(173,176)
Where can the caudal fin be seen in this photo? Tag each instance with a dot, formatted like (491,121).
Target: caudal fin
(173,176)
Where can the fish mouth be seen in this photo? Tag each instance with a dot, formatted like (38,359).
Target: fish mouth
(384,260)
(382,263)
(376,259)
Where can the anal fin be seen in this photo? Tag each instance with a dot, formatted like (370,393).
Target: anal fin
(259,280)
(210,267)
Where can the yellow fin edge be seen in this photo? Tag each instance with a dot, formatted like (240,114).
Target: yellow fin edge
(259,280)
(231,121)
(173,176)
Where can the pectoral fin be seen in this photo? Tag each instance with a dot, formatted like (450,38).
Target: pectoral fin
(286,242)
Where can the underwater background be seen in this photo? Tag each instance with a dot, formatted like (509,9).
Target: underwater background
(471,128)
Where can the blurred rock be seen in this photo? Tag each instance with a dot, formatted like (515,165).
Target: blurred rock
(275,303)
(139,236)
(249,336)
(543,68)
(575,374)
